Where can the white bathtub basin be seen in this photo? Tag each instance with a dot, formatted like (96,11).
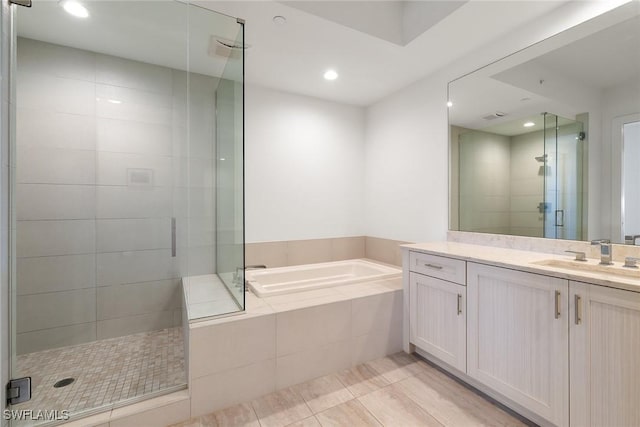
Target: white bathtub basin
(285,280)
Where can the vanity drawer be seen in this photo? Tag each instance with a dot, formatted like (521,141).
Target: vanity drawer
(439,267)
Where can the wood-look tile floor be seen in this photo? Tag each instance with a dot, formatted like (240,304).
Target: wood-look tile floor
(399,390)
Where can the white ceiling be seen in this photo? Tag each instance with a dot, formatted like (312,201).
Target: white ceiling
(602,60)
(398,21)
(294,56)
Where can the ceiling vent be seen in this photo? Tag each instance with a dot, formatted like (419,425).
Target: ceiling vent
(495,115)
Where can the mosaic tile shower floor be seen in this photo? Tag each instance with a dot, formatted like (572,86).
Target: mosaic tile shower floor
(105,371)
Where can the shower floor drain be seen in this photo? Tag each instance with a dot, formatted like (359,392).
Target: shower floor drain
(64,382)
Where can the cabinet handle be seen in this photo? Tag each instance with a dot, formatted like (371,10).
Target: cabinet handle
(459,304)
(557,304)
(435,267)
(578,303)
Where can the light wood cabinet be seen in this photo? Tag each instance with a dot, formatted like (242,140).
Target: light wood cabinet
(517,338)
(449,269)
(565,353)
(438,318)
(604,356)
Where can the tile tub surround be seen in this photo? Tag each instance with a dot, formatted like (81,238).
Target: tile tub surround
(105,371)
(297,252)
(398,390)
(206,296)
(285,340)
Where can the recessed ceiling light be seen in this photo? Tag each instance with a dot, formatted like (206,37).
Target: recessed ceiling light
(330,75)
(449,104)
(75,8)
(529,124)
(279,20)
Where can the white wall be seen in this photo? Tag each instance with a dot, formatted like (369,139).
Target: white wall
(631,178)
(304,169)
(617,102)
(406,166)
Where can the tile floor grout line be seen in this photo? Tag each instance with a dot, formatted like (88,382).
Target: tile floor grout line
(414,375)
(304,400)
(367,409)
(396,365)
(159,353)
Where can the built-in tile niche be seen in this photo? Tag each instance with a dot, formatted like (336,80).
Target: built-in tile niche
(109,150)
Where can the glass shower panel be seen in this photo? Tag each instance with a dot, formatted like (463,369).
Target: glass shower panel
(551,211)
(563,177)
(230,169)
(215,186)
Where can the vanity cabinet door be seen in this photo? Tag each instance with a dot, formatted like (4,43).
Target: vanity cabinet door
(517,338)
(604,356)
(438,319)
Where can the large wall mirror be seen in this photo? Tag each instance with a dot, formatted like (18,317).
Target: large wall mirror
(546,142)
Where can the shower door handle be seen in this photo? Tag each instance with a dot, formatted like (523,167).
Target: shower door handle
(560,218)
(173,237)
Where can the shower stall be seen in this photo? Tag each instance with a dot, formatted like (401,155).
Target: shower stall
(122,145)
(523,177)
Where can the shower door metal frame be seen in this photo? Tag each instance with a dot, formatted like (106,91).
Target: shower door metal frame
(7,189)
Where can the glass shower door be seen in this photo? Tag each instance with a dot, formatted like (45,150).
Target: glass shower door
(115,194)
(563,177)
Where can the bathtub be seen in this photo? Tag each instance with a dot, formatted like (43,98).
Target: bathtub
(285,280)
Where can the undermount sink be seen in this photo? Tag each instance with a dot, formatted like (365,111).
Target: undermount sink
(591,266)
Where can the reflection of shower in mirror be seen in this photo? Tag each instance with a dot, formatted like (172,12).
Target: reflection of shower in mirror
(544,169)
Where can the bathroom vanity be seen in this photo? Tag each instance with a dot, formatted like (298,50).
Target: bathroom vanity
(555,339)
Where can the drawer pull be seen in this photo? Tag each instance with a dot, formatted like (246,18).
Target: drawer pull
(578,302)
(557,304)
(434,266)
(459,304)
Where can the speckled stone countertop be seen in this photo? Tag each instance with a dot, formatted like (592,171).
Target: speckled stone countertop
(529,261)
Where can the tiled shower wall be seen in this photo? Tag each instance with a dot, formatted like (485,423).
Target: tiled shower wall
(104,161)
(484,182)
(527,185)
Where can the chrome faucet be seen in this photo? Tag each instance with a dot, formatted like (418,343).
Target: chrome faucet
(580,256)
(238,276)
(630,262)
(605,251)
